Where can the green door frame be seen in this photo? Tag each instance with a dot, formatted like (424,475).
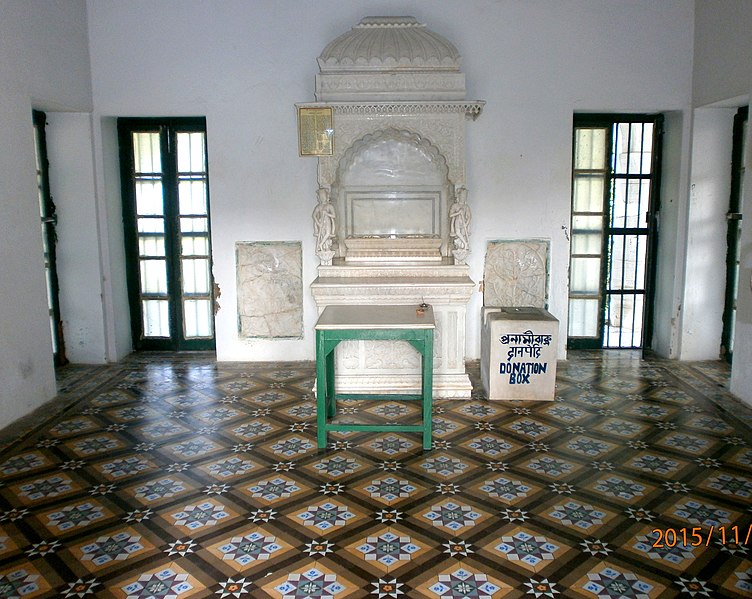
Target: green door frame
(607,121)
(48,216)
(733,236)
(167,128)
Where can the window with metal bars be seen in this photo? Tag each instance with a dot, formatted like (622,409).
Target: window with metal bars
(615,182)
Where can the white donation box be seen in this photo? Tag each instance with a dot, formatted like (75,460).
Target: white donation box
(518,353)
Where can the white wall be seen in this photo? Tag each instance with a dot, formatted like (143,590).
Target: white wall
(44,63)
(71,157)
(705,263)
(723,74)
(723,46)
(672,234)
(244,65)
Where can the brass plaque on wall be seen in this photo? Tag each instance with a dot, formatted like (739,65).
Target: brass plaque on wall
(315,131)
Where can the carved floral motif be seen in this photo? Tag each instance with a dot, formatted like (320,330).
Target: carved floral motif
(516,274)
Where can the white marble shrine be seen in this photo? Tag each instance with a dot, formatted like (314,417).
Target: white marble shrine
(393,216)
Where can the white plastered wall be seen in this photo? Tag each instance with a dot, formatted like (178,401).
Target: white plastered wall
(44,64)
(723,76)
(244,65)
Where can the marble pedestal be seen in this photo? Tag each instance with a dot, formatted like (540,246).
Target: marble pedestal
(394,366)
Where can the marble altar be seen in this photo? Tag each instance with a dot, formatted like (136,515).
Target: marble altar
(393,221)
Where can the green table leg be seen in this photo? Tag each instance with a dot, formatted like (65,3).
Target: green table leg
(321,389)
(427,389)
(330,392)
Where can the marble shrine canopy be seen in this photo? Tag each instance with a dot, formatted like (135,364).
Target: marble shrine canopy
(395,58)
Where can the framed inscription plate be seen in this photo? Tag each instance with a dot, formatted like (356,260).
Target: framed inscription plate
(315,131)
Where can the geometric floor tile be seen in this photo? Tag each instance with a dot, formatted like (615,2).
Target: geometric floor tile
(248,548)
(172,475)
(451,516)
(389,489)
(525,548)
(325,517)
(109,550)
(578,516)
(313,580)
(272,491)
(191,518)
(170,582)
(609,582)
(386,549)
(461,581)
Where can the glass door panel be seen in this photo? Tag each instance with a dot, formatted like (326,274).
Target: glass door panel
(589,184)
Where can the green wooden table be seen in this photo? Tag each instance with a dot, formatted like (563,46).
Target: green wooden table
(396,323)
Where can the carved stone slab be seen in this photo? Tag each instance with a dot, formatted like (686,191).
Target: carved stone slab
(516,273)
(270,289)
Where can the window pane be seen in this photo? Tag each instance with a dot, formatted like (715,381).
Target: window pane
(146,155)
(623,326)
(633,146)
(194,225)
(195,275)
(191,153)
(630,203)
(628,255)
(588,193)
(192,197)
(195,246)
(156,318)
(153,276)
(585,276)
(583,317)
(150,225)
(587,224)
(586,243)
(197,318)
(590,149)
(149,196)
(151,246)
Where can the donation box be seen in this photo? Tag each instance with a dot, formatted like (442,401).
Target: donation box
(518,353)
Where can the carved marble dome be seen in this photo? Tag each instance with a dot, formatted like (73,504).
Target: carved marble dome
(389,59)
(389,43)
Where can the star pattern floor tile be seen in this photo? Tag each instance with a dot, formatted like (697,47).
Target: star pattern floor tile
(174,476)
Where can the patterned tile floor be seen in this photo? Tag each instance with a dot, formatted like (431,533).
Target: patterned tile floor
(176,477)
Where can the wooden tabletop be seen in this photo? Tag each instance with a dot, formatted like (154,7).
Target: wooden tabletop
(376,317)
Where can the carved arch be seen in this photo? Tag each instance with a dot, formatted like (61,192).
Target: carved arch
(391,134)
(429,150)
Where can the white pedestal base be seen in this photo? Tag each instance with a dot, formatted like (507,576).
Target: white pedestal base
(394,366)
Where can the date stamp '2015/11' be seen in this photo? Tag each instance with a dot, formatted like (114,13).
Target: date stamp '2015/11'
(694,537)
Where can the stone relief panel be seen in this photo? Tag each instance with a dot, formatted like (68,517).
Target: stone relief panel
(516,273)
(270,289)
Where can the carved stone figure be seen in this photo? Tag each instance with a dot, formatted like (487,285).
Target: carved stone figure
(459,225)
(324,226)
